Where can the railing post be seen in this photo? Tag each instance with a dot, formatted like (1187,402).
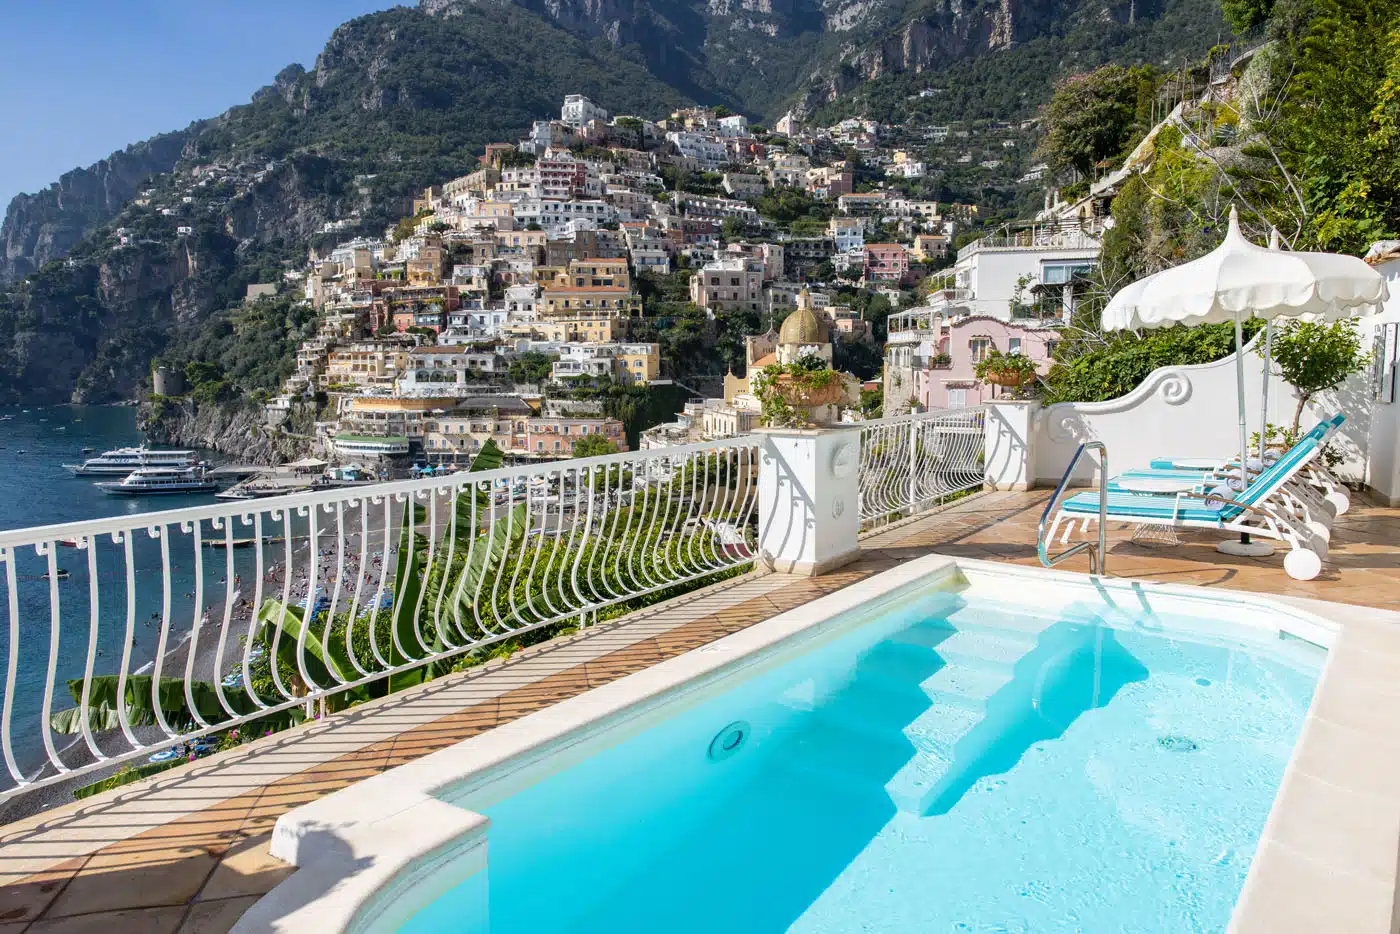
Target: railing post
(808,499)
(913,463)
(1010,432)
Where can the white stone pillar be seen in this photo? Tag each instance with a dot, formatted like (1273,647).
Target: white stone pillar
(1009,431)
(808,499)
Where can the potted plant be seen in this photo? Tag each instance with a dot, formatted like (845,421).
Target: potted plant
(1010,371)
(788,392)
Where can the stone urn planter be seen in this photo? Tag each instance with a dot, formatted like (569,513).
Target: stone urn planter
(795,393)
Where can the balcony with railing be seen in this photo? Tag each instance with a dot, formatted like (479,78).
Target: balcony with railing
(1040,237)
(132,636)
(408,623)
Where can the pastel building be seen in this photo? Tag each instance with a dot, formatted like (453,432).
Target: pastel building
(931,361)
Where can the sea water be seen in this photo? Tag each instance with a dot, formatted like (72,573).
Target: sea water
(36,490)
(960,764)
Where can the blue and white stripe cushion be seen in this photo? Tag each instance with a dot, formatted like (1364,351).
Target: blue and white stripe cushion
(1164,505)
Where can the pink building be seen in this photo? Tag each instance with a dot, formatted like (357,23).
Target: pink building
(932,361)
(886,262)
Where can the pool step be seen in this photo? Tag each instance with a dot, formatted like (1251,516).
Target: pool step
(961,686)
(852,760)
(988,683)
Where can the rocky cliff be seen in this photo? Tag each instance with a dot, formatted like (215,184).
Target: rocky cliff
(45,226)
(237,429)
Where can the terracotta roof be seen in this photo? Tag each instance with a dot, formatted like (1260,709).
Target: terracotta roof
(767,359)
(587,288)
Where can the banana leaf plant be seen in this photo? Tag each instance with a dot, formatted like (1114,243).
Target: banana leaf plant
(328,662)
(140,703)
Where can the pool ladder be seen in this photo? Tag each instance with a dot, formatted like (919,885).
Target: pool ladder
(1097,550)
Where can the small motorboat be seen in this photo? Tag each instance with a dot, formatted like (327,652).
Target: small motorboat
(61,574)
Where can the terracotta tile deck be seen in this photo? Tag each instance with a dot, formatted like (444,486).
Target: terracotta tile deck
(188,853)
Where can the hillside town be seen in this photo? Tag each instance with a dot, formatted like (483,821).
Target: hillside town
(481,316)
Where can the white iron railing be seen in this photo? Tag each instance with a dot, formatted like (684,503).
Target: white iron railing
(914,462)
(166,627)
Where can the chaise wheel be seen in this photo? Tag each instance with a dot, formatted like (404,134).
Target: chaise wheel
(1339,500)
(1302,564)
(1319,529)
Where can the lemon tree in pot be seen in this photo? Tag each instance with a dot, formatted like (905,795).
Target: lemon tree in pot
(1008,370)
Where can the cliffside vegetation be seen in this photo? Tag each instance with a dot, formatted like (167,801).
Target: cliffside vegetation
(1307,144)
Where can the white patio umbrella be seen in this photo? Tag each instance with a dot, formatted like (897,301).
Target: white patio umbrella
(1356,303)
(1239,280)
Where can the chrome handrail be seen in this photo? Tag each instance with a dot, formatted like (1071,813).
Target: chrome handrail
(1097,550)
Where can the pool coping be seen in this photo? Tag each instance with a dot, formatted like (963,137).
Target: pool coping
(402,831)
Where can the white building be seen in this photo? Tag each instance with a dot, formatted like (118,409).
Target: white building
(708,152)
(907,169)
(1036,267)
(555,216)
(651,259)
(579,110)
(848,233)
(736,125)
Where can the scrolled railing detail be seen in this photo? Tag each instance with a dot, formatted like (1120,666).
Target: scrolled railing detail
(910,463)
(244,615)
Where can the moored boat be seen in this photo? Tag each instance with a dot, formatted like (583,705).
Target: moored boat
(159,481)
(121,461)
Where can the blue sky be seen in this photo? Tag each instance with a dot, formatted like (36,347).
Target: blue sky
(81,78)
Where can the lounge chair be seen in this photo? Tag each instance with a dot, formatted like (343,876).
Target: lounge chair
(1265,508)
(1329,485)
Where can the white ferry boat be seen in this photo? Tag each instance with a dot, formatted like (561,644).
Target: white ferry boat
(158,481)
(122,461)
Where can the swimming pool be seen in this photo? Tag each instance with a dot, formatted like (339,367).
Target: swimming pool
(961,762)
(951,746)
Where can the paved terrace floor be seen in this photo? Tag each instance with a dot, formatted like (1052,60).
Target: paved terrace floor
(187,852)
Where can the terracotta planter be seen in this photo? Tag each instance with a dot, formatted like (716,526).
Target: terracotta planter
(794,394)
(1009,379)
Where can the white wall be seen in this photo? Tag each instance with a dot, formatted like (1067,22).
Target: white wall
(1191,411)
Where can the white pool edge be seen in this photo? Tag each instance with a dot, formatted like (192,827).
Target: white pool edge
(359,847)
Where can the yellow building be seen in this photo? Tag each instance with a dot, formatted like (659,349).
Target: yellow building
(366,363)
(638,364)
(405,417)
(559,302)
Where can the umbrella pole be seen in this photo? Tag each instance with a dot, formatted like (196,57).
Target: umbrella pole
(1264,402)
(1244,547)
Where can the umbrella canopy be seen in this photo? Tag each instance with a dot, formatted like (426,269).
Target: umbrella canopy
(1240,280)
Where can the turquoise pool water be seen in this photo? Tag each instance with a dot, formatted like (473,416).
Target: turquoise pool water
(958,764)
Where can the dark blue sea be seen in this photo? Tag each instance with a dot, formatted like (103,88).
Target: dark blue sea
(36,490)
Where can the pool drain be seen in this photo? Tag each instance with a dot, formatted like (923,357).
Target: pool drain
(1177,744)
(729,740)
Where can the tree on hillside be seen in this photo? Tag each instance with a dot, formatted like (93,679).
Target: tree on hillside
(1243,15)
(531,367)
(1093,117)
(1340,129)
(594,446)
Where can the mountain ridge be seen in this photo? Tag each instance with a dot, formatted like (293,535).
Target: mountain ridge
(408,97)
